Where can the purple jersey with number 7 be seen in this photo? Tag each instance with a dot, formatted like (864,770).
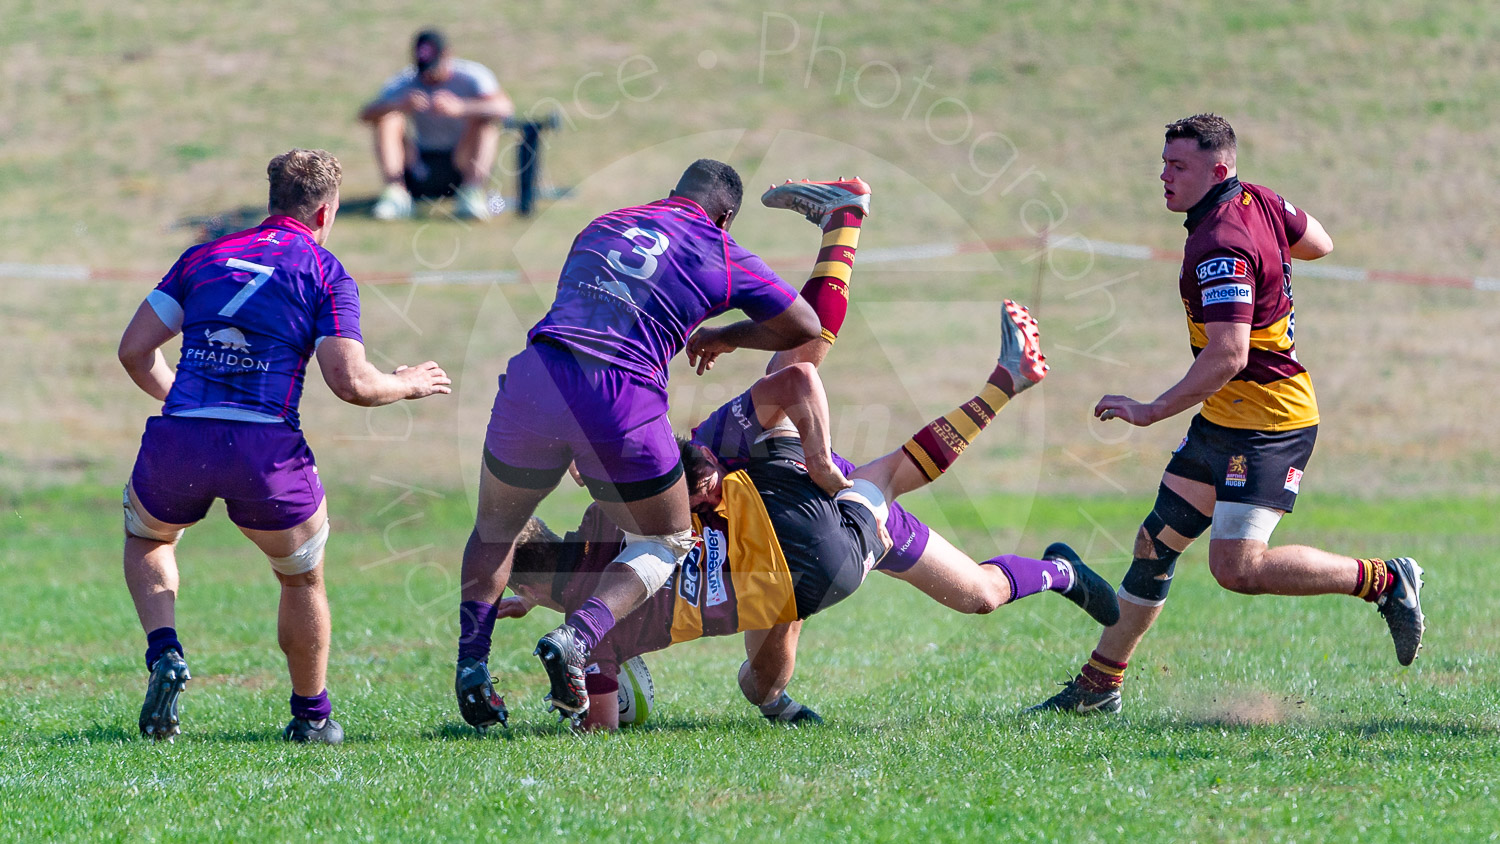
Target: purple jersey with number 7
(638,281)
(252,307)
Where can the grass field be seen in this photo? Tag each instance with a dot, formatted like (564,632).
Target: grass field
(1245,718)
(1271,719)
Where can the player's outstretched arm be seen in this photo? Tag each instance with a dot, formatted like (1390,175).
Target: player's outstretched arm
(797,392)
(355,380)
(1225,355)
(140,352)
(787,330)
(1314,243)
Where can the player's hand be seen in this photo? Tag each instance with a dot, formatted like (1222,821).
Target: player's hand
(827,475)
(1124,407)
(424,379)
(704,347)
(448,104)
(416,102)
(513,607)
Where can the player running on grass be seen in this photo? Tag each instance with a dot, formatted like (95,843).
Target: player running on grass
(591,389)
(1240,466)
(253,308)
(775,548)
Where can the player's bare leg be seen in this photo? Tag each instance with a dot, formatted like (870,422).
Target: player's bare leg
(151,574)
(503,510)
(564,652)
(771,657)
(304,625)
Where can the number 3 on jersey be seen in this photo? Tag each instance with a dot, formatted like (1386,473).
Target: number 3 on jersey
(262,273)
(658,245)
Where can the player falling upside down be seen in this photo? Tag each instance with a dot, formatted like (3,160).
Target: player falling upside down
(253,307)
(1240,467)
(591,389)
(776,549)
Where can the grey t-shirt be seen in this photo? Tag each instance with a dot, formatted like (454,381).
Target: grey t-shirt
(469,80)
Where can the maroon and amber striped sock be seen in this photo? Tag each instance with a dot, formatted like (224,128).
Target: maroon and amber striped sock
(828,288)
(1373,579)
(935,447)
(1101,674)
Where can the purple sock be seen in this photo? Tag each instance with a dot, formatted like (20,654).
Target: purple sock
(314,708)
(158,642)
(476,623)
(1028,576)
(592,622)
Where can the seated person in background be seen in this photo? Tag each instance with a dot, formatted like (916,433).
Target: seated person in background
(454,108)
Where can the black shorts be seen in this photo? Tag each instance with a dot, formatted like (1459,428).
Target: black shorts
(1263,468)
(433,175)
(829,545)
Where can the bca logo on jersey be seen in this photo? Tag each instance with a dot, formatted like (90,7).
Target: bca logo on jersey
(1216,268)
(690,577)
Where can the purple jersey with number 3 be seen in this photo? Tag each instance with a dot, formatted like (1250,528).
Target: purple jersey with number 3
(252,307)
(638,281)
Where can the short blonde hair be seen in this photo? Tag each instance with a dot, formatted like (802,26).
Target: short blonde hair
(303,179)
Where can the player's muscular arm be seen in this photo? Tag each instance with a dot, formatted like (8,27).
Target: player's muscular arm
(140,352)
(355,380)
(1225,355)
(1315,242)
(797,392)
(787,330)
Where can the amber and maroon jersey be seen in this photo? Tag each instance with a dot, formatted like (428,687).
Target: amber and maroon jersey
(1237,267)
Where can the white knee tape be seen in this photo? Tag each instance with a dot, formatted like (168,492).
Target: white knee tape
(306,558)
(135,527)
(867,495)
(654,558)
(1233,520)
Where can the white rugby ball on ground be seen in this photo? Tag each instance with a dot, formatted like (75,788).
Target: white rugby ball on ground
(637,694)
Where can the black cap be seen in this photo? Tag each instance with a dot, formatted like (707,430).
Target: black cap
(427,49)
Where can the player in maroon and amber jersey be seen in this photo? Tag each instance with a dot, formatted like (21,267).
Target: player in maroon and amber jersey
(1240,467)
(253,308)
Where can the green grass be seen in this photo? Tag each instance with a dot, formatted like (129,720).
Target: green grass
(1275,718)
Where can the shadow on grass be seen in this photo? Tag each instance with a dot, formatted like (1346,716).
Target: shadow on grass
(238,219)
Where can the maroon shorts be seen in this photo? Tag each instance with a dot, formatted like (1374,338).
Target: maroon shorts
(555,407)
(263,471)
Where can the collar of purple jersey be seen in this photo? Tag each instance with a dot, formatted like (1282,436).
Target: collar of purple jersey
(282,221)
(684,202)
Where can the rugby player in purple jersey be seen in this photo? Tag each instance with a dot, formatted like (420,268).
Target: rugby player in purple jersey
(253,308)
(590,389)
(776,549)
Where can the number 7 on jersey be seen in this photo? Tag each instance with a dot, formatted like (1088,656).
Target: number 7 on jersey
(262,273)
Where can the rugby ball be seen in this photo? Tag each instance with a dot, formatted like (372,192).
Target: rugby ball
(637,694)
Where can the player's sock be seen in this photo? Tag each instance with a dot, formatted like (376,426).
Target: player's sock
(592,622)
(1028,576)
(158,642)
(935,447)
(1101,674)
(1373,579)
(828,288)
(315,708)
(476,624)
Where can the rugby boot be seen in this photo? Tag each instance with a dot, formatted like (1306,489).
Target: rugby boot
(394,204)
(1021,357)
(1089,591)
(481,707)
(564,657)
(304,731)
(169,675)
(817,200)
(784,710)
(1078,700)
(1402,608)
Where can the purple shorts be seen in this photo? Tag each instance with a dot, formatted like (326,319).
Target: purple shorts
(554,407)
(264,472)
